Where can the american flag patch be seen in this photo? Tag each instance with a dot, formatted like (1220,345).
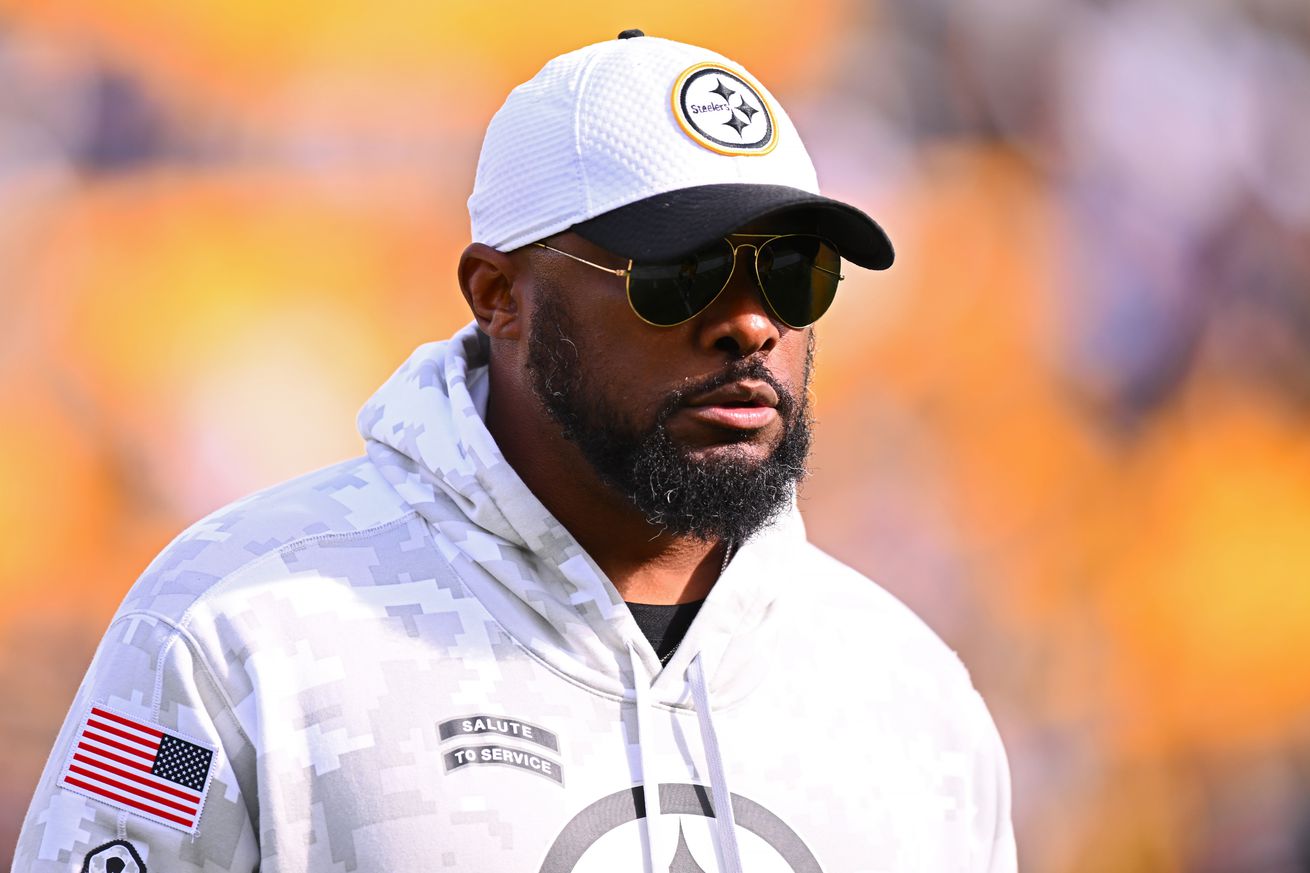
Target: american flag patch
(140,767)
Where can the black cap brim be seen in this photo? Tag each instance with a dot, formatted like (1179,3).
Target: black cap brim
(670,225)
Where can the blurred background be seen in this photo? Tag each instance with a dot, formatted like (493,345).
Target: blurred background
(1071,426)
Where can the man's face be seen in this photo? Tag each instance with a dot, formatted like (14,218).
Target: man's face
(705,425)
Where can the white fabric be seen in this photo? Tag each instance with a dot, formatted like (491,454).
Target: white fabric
(650,782)
(724,819)
(595,129)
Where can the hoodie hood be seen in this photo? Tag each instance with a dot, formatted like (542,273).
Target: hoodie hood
(425,430)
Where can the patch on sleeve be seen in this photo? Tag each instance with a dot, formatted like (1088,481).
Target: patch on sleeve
(140,767)
(120,856)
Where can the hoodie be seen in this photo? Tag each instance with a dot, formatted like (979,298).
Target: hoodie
(403,662)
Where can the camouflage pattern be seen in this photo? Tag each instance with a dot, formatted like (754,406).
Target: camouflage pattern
(319,635)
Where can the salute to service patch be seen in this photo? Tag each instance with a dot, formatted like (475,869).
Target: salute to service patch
(140,767)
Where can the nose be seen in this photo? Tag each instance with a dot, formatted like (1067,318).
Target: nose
(739,321)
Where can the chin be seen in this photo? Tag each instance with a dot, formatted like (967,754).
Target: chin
(736,447)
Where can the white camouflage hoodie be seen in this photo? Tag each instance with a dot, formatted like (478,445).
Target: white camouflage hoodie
(403,662)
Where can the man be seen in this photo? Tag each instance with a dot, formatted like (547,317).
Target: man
(563,615)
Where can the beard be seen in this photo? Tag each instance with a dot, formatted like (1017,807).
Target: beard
(728,498)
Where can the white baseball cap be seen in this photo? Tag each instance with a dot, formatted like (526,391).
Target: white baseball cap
(651,149)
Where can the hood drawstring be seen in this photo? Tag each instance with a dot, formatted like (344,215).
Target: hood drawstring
(650,786)
(725,822)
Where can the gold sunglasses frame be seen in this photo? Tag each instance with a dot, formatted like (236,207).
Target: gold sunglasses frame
(625,273)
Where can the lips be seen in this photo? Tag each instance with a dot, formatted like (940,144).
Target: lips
(743,394)
(746,405)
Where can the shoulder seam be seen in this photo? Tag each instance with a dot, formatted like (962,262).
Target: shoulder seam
(295,545)
(181,625)
(193,645)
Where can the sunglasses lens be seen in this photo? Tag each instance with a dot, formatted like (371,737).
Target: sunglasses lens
(668,294)
(799,274)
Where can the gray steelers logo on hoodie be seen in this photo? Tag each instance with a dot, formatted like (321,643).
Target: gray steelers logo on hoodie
(679,798)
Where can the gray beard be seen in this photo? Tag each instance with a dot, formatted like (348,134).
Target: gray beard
(726,499)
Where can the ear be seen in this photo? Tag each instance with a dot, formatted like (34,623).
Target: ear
(486,278)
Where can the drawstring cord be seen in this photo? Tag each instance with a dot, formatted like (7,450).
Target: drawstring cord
(650,786)
(725,822)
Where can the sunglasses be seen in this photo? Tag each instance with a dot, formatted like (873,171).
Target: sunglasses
(798,273)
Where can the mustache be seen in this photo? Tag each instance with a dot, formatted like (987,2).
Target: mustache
(753,369)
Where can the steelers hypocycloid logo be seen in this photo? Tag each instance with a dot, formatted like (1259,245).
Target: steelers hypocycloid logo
(723,112)
(600,838)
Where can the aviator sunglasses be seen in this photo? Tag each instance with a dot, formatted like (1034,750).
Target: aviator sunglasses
(798,273)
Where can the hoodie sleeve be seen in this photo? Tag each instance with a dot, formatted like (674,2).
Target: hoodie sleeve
(995,835)
(150,768)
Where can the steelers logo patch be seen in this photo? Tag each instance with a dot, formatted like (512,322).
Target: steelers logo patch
(723,112)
